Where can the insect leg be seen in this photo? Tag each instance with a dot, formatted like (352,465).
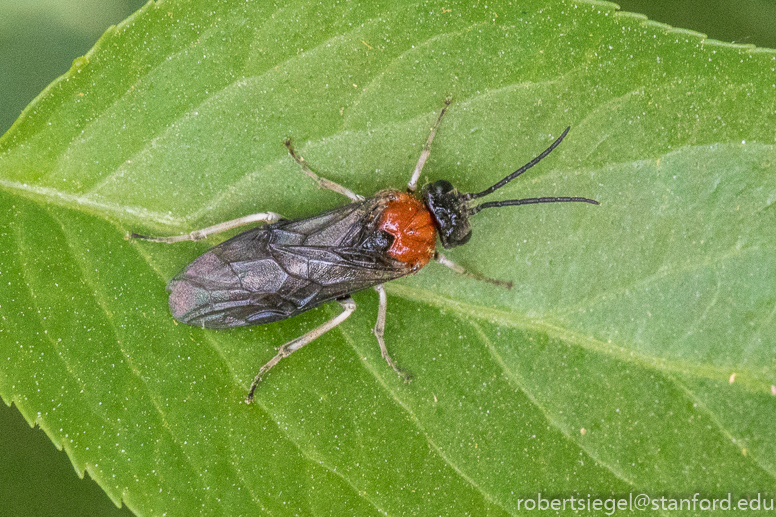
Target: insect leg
(471,274)
(348,306)
(412,186)
(322,182)
(196,235)
(379,330)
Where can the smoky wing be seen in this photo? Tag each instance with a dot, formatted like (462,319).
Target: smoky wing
(274,272)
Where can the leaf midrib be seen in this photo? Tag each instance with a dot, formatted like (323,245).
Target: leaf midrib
(514,320)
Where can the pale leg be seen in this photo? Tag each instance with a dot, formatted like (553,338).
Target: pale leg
(413,184)
(441,259)
(196,235)
(322,182)
(379,330)
(348,306)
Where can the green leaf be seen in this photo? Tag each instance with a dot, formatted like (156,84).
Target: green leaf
(635,353)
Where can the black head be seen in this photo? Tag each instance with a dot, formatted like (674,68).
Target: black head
(451,209)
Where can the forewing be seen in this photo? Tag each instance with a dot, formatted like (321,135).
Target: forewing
(275,272)
(231,285)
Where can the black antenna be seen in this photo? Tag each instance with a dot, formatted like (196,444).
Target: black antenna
(527,201)
(519,171)
(531,201)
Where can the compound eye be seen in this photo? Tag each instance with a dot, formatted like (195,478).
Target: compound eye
(441,187)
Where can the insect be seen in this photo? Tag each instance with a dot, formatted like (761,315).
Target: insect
(273,272)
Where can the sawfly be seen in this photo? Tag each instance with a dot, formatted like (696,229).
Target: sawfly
(277,271)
